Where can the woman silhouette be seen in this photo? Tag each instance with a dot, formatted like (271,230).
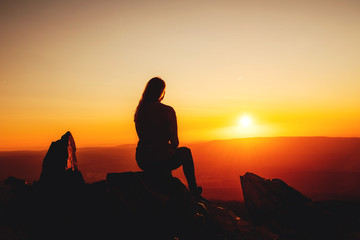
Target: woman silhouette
(156,127)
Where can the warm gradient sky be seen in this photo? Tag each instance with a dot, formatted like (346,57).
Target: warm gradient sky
(293,66)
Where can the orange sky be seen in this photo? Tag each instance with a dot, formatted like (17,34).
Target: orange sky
(293,66)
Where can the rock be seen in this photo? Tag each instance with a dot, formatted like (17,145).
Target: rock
(160,206)
(225,224)
(283,209)
(264,197)
(15,182)
(60,164)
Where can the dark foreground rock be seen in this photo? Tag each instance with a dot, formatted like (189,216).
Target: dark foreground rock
(162,207)
(287,212)
(130,205)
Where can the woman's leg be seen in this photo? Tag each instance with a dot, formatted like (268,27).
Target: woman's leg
(184,157)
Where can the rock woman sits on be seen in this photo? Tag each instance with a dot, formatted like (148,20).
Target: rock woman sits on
(156,127)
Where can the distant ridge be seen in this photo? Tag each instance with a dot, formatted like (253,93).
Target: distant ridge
(320,167)
(191,142)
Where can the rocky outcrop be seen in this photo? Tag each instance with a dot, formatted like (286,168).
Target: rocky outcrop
(130,205)
(60,164)
(264,197)
(161,206)
(284,210)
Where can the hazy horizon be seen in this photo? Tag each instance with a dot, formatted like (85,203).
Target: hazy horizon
(319,167)
(45,147)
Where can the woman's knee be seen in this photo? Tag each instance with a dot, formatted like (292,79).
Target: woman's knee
(185,155)
(185,150)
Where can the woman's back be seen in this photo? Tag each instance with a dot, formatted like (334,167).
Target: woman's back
(156,124)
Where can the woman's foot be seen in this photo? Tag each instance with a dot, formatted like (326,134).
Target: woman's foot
(198,191)
(195,191)
(196,194)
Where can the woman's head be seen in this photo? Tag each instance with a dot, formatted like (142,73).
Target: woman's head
(154,90)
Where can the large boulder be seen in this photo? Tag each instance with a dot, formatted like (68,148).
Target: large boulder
(285,210)
(157,205)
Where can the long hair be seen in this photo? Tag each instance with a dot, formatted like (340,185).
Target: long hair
(153,92)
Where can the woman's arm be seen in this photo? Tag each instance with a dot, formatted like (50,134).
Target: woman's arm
(174,140)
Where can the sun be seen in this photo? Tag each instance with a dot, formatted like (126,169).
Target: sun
(245,121)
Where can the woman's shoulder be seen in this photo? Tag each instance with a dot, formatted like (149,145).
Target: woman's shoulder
(168,111)
(166,107)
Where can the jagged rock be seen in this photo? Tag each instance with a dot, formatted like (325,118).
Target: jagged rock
(264,197)
(286,211)
(60,164)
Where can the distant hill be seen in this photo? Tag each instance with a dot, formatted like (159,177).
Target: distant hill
(320,167)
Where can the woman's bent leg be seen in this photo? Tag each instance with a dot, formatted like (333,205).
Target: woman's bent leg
(184,157)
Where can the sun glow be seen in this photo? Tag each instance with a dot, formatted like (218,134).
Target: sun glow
(245,121)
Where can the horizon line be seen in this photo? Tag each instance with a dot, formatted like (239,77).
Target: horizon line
(39,149)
